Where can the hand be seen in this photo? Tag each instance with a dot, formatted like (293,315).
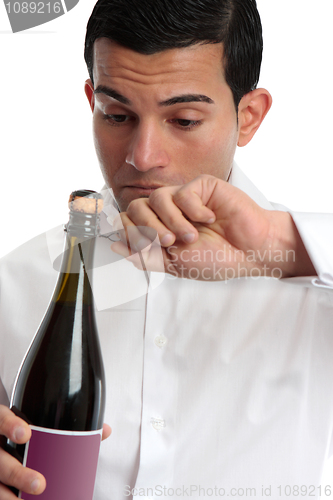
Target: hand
(210,230)
(12,472)
(106,431)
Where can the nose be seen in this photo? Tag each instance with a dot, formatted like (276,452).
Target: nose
(148,147)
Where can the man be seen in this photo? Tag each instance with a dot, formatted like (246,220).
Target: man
(213,389)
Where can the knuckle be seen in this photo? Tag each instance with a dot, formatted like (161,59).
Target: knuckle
(6,421)
(174,220)
(139,202)
(205,177)
(135,206)
(182,196)
(156,197)
(159,196)
(197,215)
(16,475)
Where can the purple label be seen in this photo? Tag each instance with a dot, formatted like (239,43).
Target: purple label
(67,460)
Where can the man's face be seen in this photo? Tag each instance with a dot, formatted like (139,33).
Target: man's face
(160,119)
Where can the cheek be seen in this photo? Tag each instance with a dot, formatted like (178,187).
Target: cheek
(103,144)
(107,150)
(224,142)
(214,153)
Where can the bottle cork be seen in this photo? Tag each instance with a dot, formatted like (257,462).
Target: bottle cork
(85,201)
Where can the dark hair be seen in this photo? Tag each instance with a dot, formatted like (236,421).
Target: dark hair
(150,26)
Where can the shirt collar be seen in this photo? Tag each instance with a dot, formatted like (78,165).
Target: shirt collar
(241,181)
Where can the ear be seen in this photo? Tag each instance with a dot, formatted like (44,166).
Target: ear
(252,109)
(89,91)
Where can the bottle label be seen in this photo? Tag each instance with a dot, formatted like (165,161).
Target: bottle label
(67,459)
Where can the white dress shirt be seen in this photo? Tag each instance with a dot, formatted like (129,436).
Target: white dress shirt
(214,389)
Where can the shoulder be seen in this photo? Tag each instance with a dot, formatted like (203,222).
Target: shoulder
(27,273)
(27,280)
(33,258)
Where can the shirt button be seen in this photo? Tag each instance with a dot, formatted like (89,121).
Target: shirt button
(157,423)
(160,340)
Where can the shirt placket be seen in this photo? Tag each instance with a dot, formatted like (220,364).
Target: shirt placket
(159,393)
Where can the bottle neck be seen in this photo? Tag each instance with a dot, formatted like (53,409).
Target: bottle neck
(83,225)
(73,282)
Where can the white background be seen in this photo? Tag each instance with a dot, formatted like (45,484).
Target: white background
(46,145)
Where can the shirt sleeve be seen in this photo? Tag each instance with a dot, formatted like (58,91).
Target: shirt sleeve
(316,231)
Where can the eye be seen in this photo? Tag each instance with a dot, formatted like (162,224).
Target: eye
(186,124)
(117,119)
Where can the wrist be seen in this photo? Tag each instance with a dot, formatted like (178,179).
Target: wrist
(289,252)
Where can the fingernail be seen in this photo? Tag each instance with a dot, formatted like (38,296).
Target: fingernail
(35,485)
(210,221)
(189,237)
(167,239)
(19,433)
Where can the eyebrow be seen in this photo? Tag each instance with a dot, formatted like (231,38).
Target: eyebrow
(186,98)
(103,89)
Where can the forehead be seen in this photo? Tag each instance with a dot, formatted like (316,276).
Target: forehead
(197,64)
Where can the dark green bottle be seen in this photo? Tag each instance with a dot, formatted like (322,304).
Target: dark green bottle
(60,385)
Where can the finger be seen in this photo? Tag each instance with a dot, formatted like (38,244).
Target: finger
(136,238)
(141,214)
(129,248)
(6,494)
(121,249)
(194,196)
(163,203)
(106,431)
(12,473)
(122,220)
(13,427)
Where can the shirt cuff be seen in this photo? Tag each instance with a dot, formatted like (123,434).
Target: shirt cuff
(316,231)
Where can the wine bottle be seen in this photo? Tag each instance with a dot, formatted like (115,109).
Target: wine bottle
(60,387)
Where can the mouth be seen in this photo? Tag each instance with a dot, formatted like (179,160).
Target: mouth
(143,189)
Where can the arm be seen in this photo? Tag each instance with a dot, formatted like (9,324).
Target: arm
(209,216)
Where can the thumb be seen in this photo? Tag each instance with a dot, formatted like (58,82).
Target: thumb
(106,431)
